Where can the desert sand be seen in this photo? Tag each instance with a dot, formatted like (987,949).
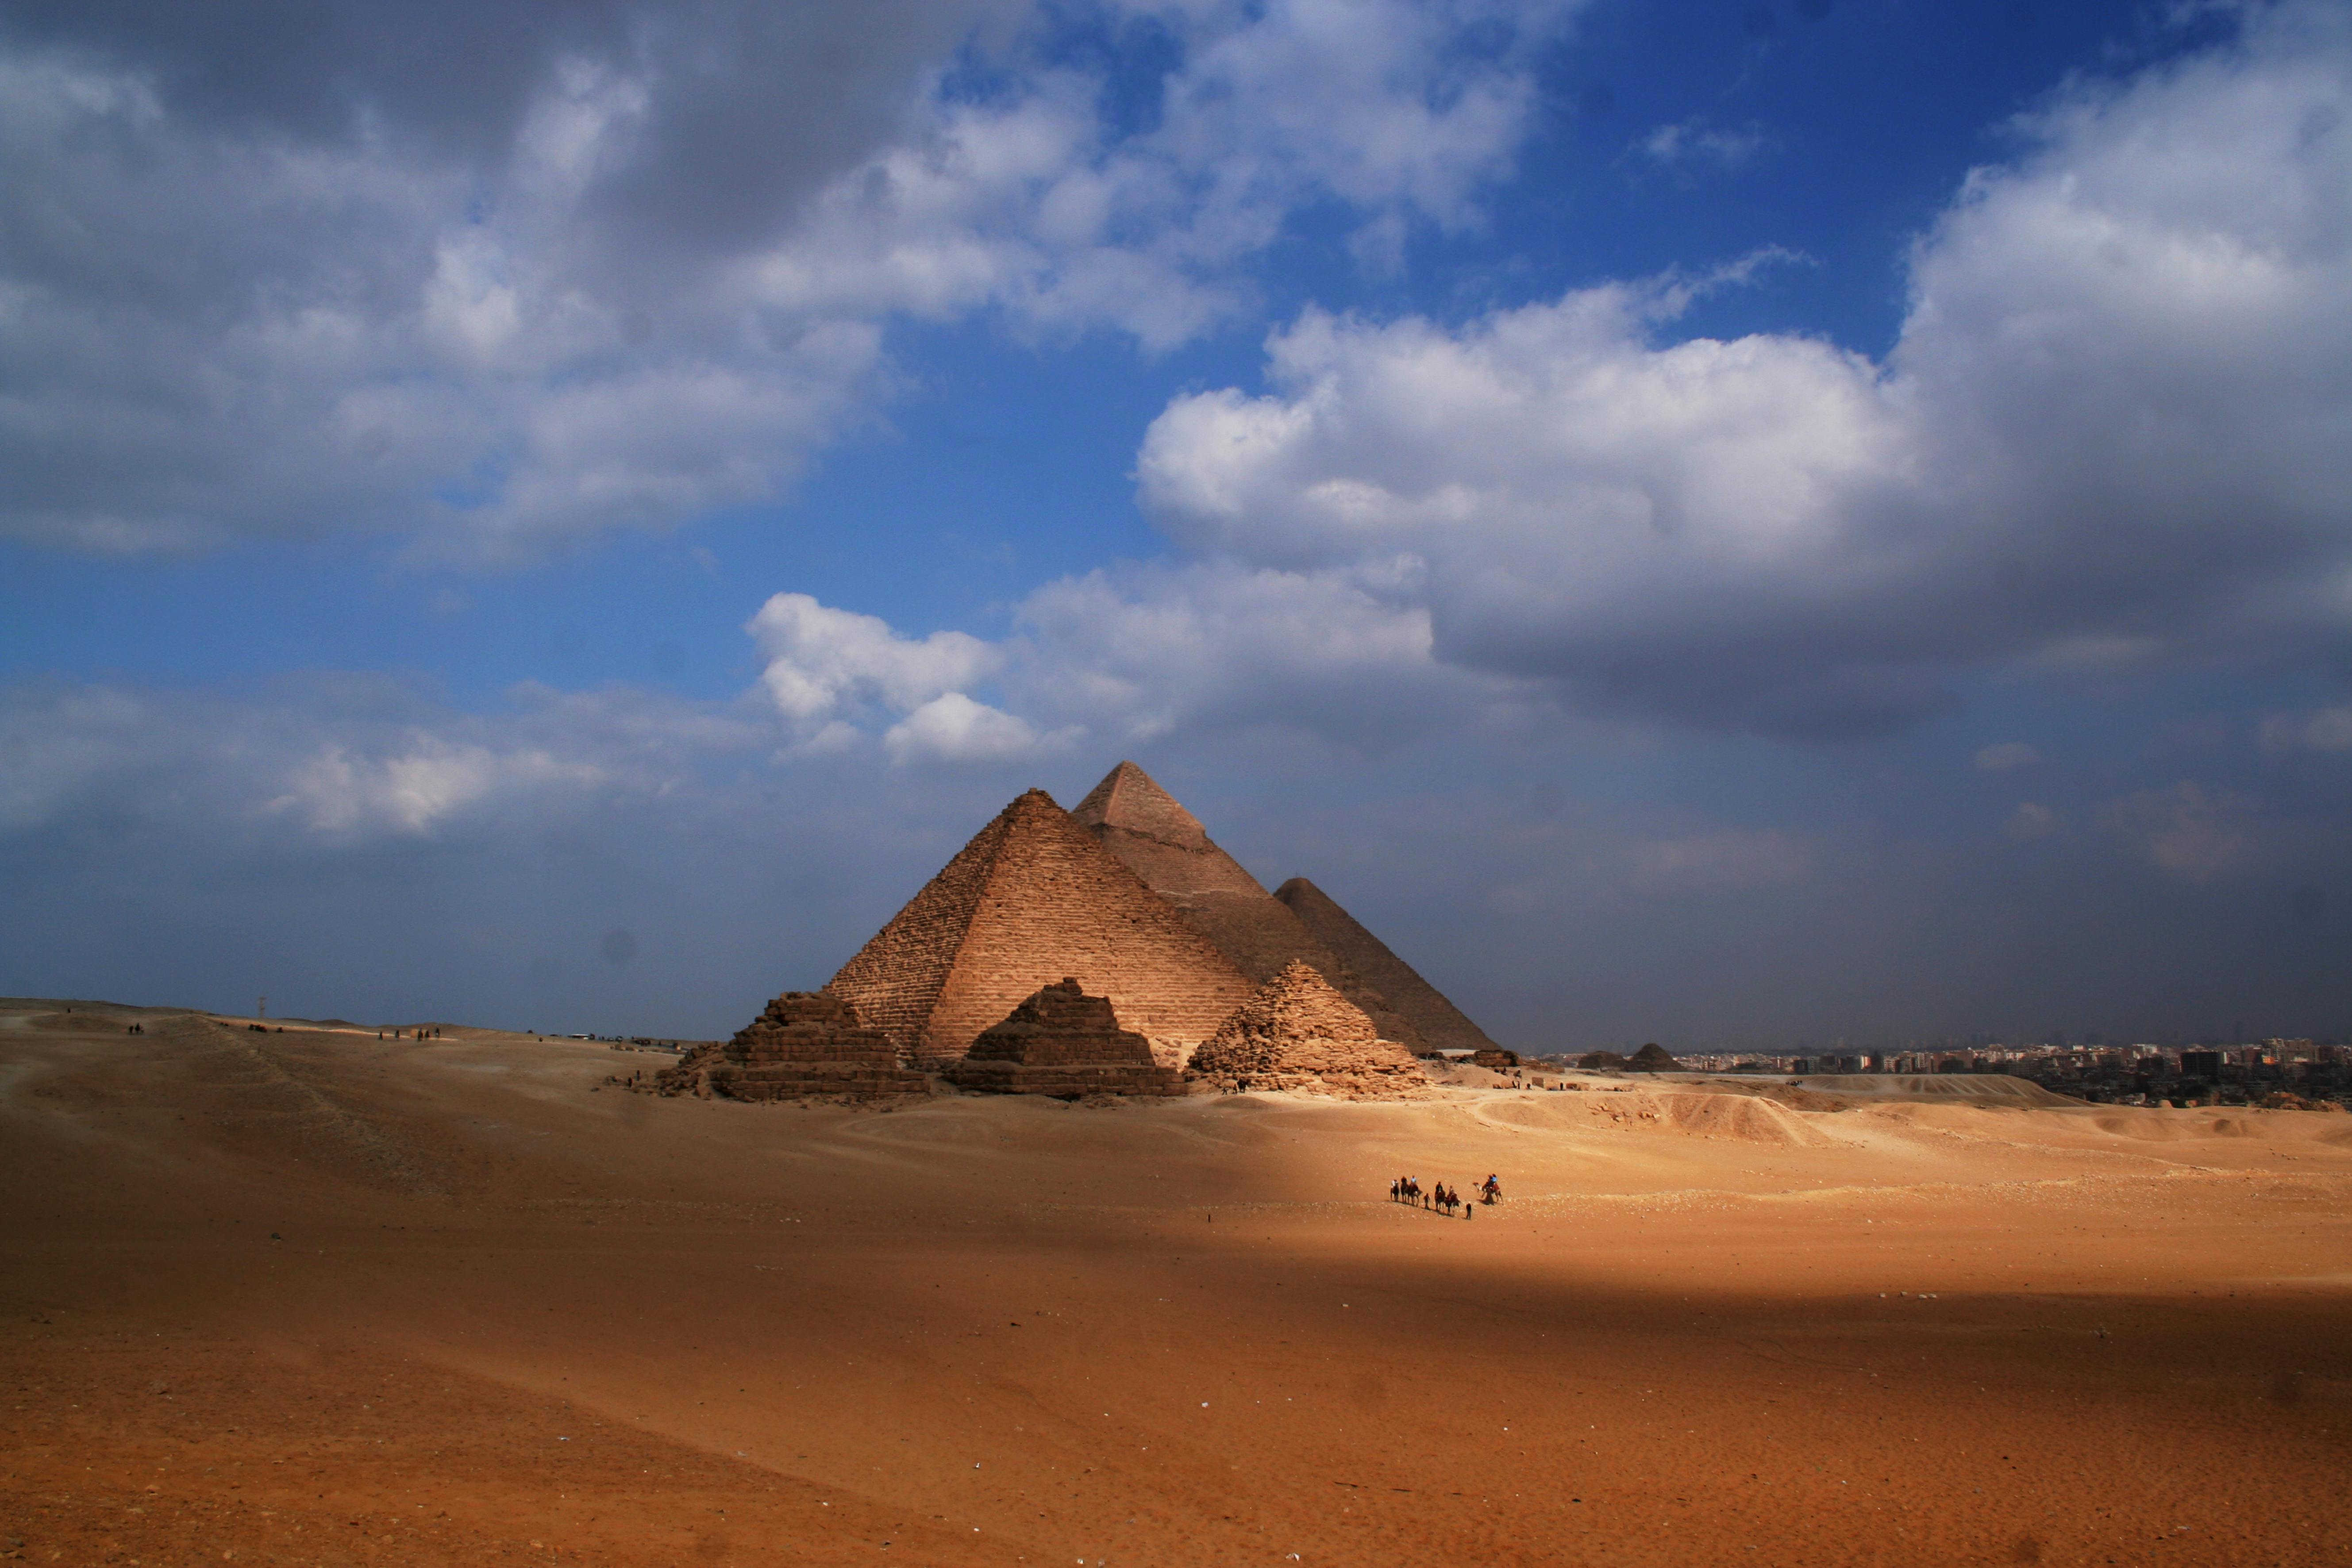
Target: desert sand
(313,1296)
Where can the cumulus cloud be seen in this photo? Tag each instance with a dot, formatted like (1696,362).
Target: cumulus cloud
(580,270)
(833,674)
(1135,653)
(2117,430)
(953,728)
(1145,651)
(2006,756)
(819,660)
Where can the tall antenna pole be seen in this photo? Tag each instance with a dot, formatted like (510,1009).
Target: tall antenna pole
(261,1008)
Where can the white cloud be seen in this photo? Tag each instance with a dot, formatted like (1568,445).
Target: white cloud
(1143,652)
(616,278)
(819,661)
(955,729)
(2007,757)
(2119,419)
(416,789)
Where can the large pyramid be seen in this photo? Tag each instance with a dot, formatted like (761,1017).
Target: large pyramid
(1439,1021)
(1297,1032)
(1032,899)
(1166,845)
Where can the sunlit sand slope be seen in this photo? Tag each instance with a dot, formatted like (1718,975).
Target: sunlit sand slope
(319,1298)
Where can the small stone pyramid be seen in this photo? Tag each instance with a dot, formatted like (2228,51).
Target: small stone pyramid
(1165,845)
(1298,1032)
(805,1043)
(1031,898)
(1063,1043)
(1437,1022)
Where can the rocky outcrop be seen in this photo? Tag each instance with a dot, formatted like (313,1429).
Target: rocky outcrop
(1063,1044)
(1299,1033)
(807,1043)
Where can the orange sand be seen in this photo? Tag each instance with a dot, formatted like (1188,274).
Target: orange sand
(314,1298)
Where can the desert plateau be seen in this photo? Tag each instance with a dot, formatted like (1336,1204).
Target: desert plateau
(300,1294)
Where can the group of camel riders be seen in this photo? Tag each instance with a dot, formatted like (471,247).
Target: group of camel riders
(1441,1197)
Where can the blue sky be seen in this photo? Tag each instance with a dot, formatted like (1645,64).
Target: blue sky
(1711,523)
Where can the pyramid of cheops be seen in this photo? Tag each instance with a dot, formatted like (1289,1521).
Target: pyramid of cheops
(1166,845)
(1063,1043)
(1297,1032)
(1032,899)
(1438,1021)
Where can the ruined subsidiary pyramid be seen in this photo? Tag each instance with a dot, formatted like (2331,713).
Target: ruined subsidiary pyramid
(1034,898)
(805,1043)
(1166,845)
(1439,1021)
(1298,1032)
(1064,1044)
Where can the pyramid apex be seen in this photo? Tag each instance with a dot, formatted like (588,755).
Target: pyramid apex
(1132,801)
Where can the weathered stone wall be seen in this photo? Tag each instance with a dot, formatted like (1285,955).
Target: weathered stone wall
(1057,903)
(1298,1032)
(1439,1025)
(1165,846)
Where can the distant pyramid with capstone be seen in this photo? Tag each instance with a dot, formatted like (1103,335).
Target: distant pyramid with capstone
(1031,900)
(1437,1020)
(1166,845)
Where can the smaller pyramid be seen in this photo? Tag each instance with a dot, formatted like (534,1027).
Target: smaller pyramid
(1297,1032)
(805,1043)
(1064,1044)
(1438,1023)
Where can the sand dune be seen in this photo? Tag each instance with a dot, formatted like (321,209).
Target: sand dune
(313,1296)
